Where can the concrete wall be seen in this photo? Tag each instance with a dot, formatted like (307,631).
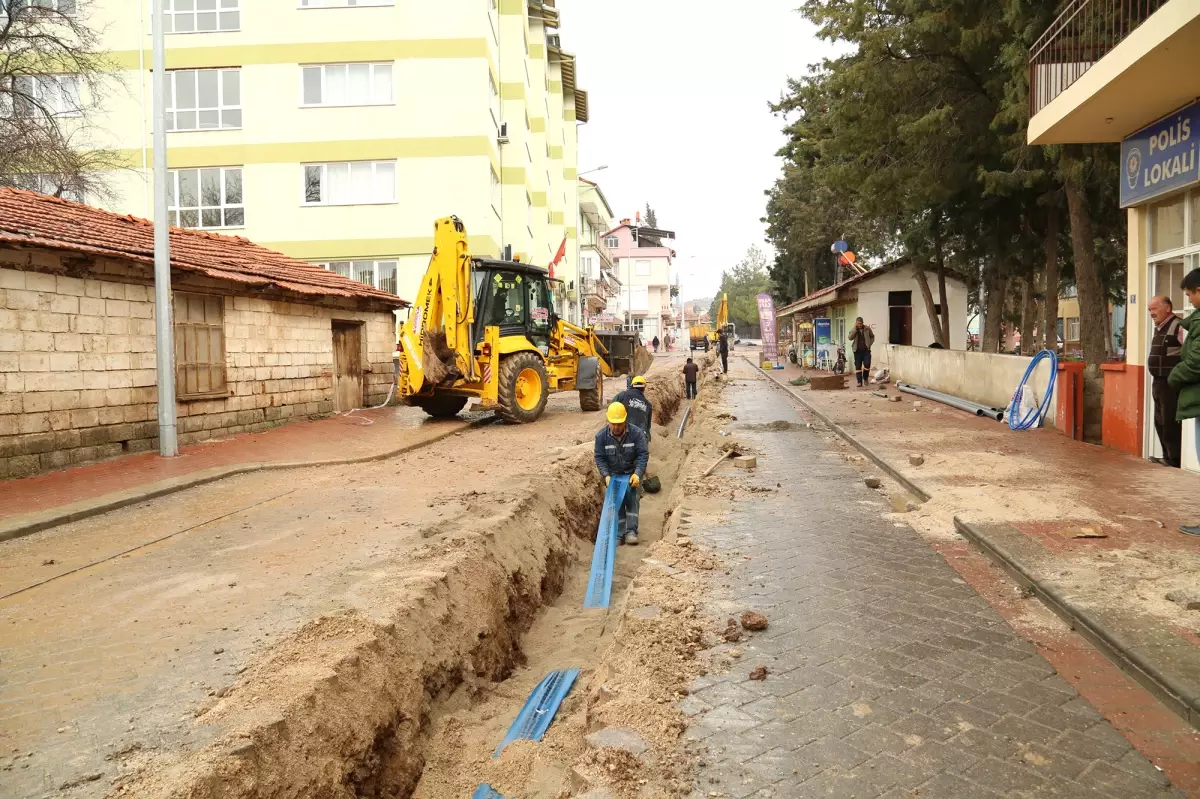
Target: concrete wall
(873,308)
(980,377)
(77,363)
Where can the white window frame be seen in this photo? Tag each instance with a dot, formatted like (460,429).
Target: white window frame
(307,5)
(642,268)
(222,12)
(225,106)
(373,83)
(497,189)
(71,8)
(176,212)
(1188,253)
(612,242)
(354,269)
(378,180)
(38,86)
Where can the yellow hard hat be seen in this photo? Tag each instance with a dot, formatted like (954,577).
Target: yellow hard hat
(639,381)
(617,413)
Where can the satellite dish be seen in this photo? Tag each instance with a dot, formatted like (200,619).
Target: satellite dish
(839,246)
(847,258)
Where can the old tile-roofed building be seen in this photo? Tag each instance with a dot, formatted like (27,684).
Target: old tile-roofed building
(260,338)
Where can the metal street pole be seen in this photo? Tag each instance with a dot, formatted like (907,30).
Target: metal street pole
(164,336)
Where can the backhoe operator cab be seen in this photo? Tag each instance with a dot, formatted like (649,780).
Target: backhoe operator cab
(487,329)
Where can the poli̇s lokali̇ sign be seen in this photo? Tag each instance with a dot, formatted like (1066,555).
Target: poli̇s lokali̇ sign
(1162,157)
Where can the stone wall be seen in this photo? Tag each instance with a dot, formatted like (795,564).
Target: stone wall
(77,361)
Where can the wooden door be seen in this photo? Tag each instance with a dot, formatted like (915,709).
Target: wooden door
(347,366)
(900,325)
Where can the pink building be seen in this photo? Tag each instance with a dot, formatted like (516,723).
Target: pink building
(642,264)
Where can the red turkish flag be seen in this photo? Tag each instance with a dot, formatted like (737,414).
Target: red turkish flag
(562,252)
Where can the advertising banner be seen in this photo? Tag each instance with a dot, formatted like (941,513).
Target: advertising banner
(1162,157)
(823,334)
(766,320)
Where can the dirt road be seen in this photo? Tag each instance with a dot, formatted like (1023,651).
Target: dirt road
(115,661)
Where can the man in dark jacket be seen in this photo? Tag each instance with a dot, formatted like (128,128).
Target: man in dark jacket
(622,449)
(640,409)
(1185,378)
(723,347)
(1165,348)
(691,374)
(861,340)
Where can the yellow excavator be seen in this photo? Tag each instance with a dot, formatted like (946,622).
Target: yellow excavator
(703,337)
(486,329)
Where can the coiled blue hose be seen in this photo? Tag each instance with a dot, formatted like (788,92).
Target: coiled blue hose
(1036,417)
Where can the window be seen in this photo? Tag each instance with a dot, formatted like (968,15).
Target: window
(495,182)
(638,324)
(199,346)
(612,242)
(49,184)
(347,84)
(206,198)
(1166,224)
(201,16)
(899,299)
(350,183)
(1195,237)
(1072,329)
(204,99)
(64,7)
(377,274)
(343,3)
(641,268)
(495,98)
(38,95)
(529,213)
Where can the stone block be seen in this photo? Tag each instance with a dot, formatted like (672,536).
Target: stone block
(116,326)
(9,424)
(142,444)
(66,381)
(144,377)
(93,398)
(12,279)
(746,462)
(91,307)
(109,450)
(64,304)
(916,460)
(828,383)
(11,341)
(36,444)
(93,437)
(54,460)
(66,439)
(54,322)
(88,417)
(60,420)
(191,424)
(64,362)
(87,325)
(112,291)
(37,342)
(120,360)
(36,281)
(33,423)
(38,402)
(325,406)
(94,381)
(248,417)
(145,429)
(64,401)
(24,465)
(34,362)
(71,286)
(19,300)
(10,403)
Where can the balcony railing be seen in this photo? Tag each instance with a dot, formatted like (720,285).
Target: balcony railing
(1084,33)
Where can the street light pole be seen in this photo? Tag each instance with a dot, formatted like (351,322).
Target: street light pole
(164,336)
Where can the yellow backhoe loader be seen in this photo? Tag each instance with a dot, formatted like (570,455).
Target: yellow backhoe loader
(486,329)
(702,336)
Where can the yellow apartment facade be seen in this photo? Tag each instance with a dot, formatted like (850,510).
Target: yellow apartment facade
(1130,73)
(337,131)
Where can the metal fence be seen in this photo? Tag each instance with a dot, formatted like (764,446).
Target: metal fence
(1084,33)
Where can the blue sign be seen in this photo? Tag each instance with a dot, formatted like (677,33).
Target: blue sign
(1161,158)
(823,329)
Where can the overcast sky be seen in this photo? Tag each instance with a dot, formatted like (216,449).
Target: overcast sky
(678,94)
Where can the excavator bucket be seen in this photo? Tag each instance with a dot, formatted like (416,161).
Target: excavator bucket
(437,359)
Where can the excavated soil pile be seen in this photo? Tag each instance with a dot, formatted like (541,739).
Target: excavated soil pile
(341,708)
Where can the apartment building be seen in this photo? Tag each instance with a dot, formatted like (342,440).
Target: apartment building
(643,266)
(337,131)
(598,283)
(1130,73)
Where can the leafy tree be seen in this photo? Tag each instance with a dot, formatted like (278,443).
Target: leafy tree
(53,78)
(742,285)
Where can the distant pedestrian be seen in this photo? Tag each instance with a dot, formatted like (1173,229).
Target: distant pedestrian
(622,449)
(640,409)
(723,348)
(691,373)
(654,341)
(1185,378)
(862,338)
(1166,349)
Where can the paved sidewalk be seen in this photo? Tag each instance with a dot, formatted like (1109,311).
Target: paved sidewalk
(888,674)
(361,434)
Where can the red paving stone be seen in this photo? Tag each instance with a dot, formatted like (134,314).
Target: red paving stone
(361,434)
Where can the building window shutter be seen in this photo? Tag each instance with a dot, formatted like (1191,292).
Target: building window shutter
(199,346)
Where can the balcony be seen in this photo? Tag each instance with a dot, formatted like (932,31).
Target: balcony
(595,293)
(1107,68)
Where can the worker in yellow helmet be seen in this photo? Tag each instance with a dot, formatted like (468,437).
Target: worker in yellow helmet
(622,449)
(641,410)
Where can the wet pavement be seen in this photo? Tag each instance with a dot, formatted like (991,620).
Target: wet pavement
(888,675)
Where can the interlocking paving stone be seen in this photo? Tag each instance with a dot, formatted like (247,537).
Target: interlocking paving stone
(890,677)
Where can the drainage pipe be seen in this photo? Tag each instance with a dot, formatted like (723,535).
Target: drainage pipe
(683,422)
(953,401)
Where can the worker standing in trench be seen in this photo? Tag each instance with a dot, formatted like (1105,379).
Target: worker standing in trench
(640,409)
(622,449)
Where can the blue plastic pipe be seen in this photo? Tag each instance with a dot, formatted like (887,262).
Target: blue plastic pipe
(599,591)
(1034,418)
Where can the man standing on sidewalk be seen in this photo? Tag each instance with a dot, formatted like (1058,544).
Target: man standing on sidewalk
(1164,356)
(862,338)
(622,449)
(1185,378)
(691,373)
(723,348)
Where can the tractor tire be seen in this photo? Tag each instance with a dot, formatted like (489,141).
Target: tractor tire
(442,407)
(592,399)
(524,388)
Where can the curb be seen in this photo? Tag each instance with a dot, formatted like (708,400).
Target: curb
(29,523)
(877,459)
(1182,699)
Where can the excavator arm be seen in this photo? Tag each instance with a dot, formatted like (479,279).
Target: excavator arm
(583,342)
(723,313)
(435,342)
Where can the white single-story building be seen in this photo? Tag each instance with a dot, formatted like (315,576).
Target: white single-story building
(890,302)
